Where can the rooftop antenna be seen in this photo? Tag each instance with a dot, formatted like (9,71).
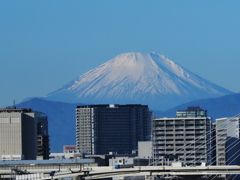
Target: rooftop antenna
(14,105)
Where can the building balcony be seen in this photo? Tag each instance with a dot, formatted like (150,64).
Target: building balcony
(200,123)
(190,137)
(191,156)
(179,127)
(200,127)
(169,146)
(159,123)
(159,137)
(161,152)
(159,128)
(189,132)
(190,151)
(179,146)
(201,157)
(200,132)
(179,132)
(190,142)
(169,122)
(159,146)
(221,154)
(179,151)
(221,139)
(189,146)
(179,123)
(201,152)
(189,122)
(160,142)
(190,127)
(200,142)
(179,137)
(199,138)
(159,133)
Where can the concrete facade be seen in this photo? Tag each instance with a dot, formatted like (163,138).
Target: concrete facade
(18,134)
(145,149)
(112,128)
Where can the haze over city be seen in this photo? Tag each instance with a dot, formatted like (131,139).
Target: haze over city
(46,44)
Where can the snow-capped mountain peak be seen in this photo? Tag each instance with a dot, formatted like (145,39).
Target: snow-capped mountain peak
(142,78)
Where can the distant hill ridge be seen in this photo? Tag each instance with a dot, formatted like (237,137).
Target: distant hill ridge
(225,106)
(62,122)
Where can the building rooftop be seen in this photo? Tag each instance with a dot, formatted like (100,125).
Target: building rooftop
(14,109)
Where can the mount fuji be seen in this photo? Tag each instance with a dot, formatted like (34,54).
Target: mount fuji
(138,78)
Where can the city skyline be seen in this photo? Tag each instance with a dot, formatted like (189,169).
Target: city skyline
(44,45)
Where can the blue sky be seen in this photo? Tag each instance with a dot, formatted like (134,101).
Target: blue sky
(45,44)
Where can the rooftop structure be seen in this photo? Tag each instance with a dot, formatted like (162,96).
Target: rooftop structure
(192,111)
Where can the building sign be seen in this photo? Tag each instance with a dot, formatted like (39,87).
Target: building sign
(12,157)
(67,147)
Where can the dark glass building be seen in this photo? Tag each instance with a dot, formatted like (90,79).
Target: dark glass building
(112,128)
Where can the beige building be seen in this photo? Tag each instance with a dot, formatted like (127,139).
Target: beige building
(18,134)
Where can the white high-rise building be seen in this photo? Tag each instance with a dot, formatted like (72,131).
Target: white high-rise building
(184,138)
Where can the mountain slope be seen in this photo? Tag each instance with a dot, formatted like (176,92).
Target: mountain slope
(138,78)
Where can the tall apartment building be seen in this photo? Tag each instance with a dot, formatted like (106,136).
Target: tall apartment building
(112,128)
(19,131)
(227,141)
(185,137)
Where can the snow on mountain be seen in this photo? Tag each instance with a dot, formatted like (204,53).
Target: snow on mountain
(138,78)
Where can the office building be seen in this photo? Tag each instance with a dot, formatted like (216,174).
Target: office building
(42,135)
(184,138)
(20,133)
(112,128)
(227,141)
